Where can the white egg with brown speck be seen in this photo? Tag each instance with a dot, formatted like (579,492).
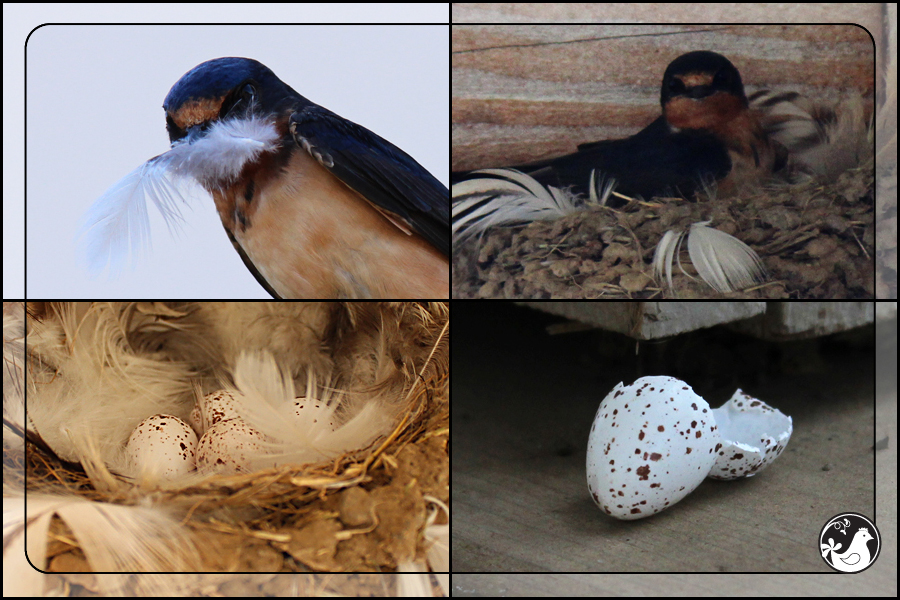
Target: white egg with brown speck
(228,447)
(314,414)
(162,446)
(218,406)
(652,443)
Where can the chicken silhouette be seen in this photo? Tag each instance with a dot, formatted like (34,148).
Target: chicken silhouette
(853,559)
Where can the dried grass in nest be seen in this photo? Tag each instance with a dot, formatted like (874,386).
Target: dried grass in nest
(363,511)
(248,517)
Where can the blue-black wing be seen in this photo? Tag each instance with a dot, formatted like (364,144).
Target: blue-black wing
(381,172)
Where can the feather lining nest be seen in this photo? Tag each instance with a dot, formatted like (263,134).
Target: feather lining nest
(96,369)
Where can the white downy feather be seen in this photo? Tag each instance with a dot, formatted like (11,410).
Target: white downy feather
(504,197)
(266,402)
(96,386)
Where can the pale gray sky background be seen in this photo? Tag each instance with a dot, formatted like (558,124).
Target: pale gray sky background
(94,96)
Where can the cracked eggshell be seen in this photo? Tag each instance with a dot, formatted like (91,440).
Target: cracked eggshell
(652,443)
(753,435)
(163,446)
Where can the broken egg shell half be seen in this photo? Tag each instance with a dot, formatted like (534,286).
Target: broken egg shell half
(753,436)
(163,446)
(652,443)
(228,447)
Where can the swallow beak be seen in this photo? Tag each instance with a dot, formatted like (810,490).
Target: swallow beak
(699,92)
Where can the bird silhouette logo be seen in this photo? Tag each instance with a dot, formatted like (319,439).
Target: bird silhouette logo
(848,544)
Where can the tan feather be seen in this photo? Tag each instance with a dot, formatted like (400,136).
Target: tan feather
(114,539)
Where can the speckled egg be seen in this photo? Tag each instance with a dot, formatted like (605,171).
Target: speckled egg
(315,414)
(218,406)
(162,446)
(228,446)
(652,443)
(753,435)
(195,419)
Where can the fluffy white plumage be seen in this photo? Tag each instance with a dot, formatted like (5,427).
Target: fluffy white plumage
(266,402)
(118,222)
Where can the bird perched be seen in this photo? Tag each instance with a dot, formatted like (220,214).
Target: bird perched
(707,132)
(316,206)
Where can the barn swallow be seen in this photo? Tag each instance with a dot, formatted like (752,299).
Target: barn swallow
(707,132)
(315,205)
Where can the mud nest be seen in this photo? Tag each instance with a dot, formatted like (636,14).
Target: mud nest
(816,242)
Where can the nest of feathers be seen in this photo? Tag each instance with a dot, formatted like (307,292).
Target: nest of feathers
(379,503)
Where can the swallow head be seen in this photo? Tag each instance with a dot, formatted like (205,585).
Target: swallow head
(701,90)
(222,115)
(223,88)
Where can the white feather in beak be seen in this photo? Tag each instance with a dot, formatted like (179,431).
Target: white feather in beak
(118,221)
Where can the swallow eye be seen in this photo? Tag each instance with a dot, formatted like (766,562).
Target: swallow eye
(722,79)
(248,94)
(676,86)
(241,101)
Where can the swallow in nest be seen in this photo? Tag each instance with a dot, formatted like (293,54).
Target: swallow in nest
(707,133)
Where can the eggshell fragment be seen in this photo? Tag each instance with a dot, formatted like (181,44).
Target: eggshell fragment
(227,447)
(753,436)
(163,446)
(652,443)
